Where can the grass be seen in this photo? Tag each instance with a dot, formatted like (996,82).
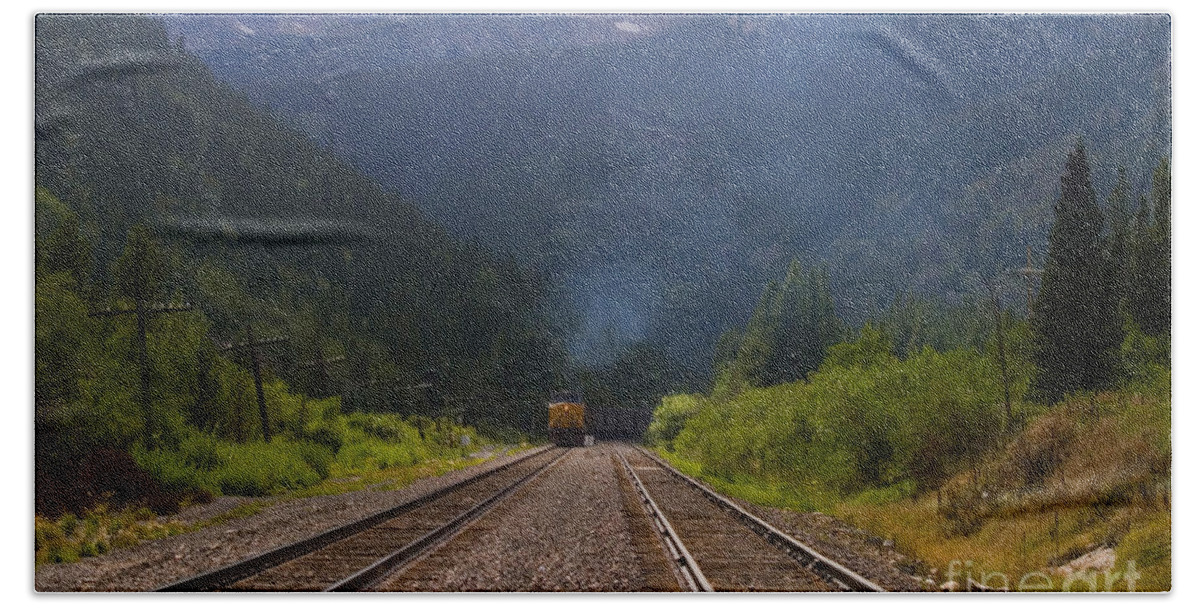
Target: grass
(757,491)
(71,538)
(1091,473)
(389,478)
(1026,546)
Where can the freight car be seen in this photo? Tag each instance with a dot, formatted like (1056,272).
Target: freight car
(566,419)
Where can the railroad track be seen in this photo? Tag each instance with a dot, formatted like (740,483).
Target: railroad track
(359,555)
(706,537)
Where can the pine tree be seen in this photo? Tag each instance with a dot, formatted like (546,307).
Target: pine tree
(1150,301)
(1120,248)
(791,329)
(1075,318)
(140,269)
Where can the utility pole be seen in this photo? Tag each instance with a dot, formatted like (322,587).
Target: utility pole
(143,311)
(1008,415)
(251,345)
(1029,272)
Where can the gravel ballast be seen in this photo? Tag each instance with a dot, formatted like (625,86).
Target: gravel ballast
(150,565)
(564,531)
(576,527)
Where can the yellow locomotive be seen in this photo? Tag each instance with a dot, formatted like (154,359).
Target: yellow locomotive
(566,419)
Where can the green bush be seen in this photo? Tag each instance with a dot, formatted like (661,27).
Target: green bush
(249,469)
(172,469)
(328,433)
(670,418)
(260,469)
(865,419)
(384,426)
(366,453)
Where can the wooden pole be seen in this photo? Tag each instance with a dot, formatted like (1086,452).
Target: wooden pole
(142,311)
(256,367)
(1000,354)
(150,429)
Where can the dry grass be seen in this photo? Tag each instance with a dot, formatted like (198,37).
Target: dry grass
(1090,473)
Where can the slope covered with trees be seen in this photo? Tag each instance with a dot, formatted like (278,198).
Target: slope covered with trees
(163,190)
(664,168)
(968,428)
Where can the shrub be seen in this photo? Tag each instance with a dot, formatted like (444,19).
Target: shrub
(1036,453)
(366,453)
(249,469)
(97,531)
(328,433)
(172,469)
(384,426)
(864,419)
(670,418)
(963,509)
(259,468)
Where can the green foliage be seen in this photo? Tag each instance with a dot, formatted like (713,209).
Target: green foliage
(247,469)
(63,248)
(865,419)
(1075,318)
(95,532)
(1144,358)
(913,322)
(873,347)
(1119,216)
(788,333)
(670,418)
(1150,296)
(140,270)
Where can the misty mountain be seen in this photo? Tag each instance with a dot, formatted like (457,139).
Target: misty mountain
(264,226)
(661,168)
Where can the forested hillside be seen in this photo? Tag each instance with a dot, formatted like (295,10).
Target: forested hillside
(1017,440)
(663,169)
(161,189)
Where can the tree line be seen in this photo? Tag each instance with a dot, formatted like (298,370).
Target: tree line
(926,388)
(135,136)
(1107,280)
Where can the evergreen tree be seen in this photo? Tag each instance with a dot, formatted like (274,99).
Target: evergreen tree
(140,269)
(1150,302)
(792,327)
(1121,240)
(1075,318)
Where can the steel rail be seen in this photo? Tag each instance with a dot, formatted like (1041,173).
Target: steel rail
(807,556)
(686,565)
(372,575)
(228,575)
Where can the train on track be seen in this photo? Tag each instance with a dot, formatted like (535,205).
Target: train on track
(566,419)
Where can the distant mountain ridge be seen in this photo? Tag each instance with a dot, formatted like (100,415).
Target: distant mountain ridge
(663,168)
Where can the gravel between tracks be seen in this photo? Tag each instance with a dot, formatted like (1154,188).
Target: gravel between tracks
(153,564)
(565,531)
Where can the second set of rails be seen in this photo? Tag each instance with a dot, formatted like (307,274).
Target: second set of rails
(714,544)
